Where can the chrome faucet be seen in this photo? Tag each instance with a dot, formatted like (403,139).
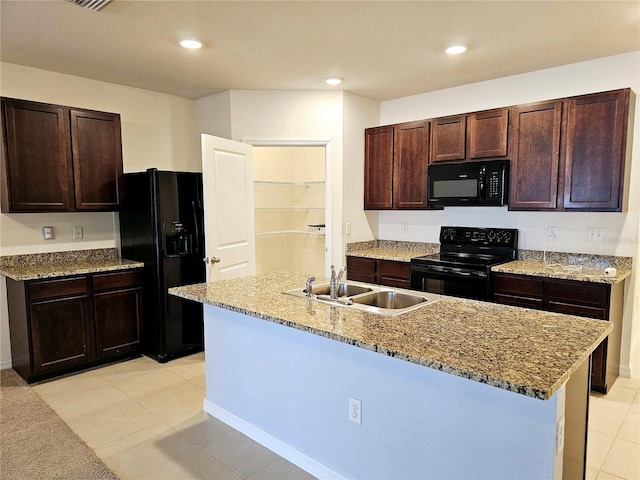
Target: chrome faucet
(309,286)
(334,282)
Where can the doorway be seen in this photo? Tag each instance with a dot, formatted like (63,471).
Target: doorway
(290,208)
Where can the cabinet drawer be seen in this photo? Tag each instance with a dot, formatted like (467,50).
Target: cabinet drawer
(394,282)
(361,277)
(106,281)
(389,268)
(518,284)
(57,288)
(526,302)
(579,293)
(580,310)
(360,265)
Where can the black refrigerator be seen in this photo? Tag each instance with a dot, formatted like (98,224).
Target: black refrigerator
(162,225)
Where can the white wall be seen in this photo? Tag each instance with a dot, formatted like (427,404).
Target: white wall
(359,113)
(621,229)
(158,130)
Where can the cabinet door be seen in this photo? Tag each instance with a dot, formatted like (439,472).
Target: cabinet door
(448,138)
(535,156)
(62,333)
(361,269)
(487,133)
(410,160)
(579,298)
(394,274)
(518,290)
(118,316)
(37,170)
(596,151)
(97,160)
(378,168)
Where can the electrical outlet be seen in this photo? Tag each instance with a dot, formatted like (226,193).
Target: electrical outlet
(552,233)
(347,228)
(47,233)
(355,410)
(595,234)
(405,227)
(77,233)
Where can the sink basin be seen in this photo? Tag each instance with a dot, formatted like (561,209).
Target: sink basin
(382,301)
(389,299)
(345,290)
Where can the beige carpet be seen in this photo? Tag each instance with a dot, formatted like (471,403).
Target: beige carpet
(35,443)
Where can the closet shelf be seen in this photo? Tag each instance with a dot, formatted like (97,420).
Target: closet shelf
(295,184)
(301,208)
(314,232)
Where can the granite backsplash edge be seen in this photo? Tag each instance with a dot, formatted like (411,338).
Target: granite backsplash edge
(565,258)
(30,259)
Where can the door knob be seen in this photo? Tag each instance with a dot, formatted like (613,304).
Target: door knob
(212,260)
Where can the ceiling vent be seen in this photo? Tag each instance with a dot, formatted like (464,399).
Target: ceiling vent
(94,5)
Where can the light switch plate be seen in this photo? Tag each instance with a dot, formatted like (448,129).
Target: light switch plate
(47,233)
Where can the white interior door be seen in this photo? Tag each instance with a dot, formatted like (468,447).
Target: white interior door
(227,175)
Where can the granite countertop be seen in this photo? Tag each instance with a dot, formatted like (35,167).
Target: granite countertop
(583,273)
(391,250)
(62,264)
(529,352)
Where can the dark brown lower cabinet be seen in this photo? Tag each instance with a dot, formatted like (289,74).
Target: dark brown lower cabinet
(601,301)
(382,272)
(66,324)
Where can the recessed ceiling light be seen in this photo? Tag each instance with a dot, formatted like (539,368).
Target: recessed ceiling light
(333,80)
(191,43)
(456,49)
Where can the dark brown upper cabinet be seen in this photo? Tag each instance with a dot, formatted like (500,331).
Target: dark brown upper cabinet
(449,137)
(596,151)
(569,154)
(396,159)
(378,168)
(59,159)
(534,151)
(470,136)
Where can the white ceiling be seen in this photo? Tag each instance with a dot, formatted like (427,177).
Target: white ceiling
(384,50)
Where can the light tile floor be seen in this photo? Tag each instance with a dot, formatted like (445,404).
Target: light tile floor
(145,421)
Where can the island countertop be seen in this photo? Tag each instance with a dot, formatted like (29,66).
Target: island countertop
(530,352)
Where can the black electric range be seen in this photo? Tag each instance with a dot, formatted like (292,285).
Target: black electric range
(463,266)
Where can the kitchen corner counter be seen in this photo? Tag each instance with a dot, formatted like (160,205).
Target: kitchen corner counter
(391,250)
(62,264)
(529,352)
(582,273)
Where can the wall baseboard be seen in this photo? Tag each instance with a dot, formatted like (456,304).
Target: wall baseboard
(5,364)
(274,444)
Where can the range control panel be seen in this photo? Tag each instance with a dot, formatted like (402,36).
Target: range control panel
(504,237)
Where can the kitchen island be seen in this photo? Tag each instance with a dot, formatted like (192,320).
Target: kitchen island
(455,389)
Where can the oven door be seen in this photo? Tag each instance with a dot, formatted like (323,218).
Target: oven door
(450,281)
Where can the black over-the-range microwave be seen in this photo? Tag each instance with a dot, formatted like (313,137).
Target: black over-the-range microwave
(468,183)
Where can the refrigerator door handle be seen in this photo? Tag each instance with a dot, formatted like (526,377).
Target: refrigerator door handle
(196,225)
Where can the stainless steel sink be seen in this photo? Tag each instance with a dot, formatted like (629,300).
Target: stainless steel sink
(379,300)
(389,299)
(345,290)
